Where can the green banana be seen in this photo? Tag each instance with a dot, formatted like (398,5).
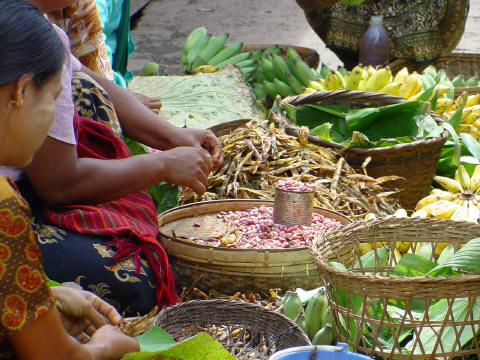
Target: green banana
(300,321)
(247,72)
(280,67)
(267,67)
(294,83)
(315,312)
(247,63)
(196,48)
(192,38)
(428,81)
(257,54)
(324,336)
(328,319)
(303,72)
(259,76)
(430,70)
(282,88)
(292,305)
(214,45)
(324,71)
(197,61)
(270,89)
(342,70)
(291,55)
(259,90)
(274,49)
(227,52)
(473,81)
(234,59)
(458,81)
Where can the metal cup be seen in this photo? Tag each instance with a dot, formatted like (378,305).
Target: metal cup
(292,207)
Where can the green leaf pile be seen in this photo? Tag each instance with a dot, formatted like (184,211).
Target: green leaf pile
(157,344)
(201,100)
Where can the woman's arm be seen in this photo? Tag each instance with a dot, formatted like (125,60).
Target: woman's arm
(61,178)
(46,339)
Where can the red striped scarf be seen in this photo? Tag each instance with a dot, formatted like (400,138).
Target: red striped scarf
(129,223)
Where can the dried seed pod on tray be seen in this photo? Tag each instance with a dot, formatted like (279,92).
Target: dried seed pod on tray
(256,156)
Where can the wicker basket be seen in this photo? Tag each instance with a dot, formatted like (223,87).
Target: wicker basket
(415,162)
(310,56)
(466,64)
(373,285)
(228,270)
(226,128)
(268,331)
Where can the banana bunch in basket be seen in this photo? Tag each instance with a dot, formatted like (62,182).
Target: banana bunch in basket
(284,76)
(203,52)
(470,121)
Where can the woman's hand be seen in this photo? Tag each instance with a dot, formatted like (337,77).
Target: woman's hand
(112,343)
(152,103)
(186,166)
(82,312)
(203,139)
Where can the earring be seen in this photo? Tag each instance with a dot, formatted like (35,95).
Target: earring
(18,103)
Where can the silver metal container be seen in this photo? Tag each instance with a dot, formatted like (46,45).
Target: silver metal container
(292,207)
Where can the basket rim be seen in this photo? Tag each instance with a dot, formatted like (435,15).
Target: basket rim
(236,250)
(323,265)
(312,97)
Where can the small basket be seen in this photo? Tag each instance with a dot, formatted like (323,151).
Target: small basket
(415,162)
(373,285)
(268,331)
(310,56)
(229,270)
(466,64)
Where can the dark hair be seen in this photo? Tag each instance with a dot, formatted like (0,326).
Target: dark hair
(28,43)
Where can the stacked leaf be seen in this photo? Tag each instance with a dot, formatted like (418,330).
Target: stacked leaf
(276,75)
(203,52)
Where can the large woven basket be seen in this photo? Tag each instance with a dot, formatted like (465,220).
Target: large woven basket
(374,285)
(415,162)
(466,64)
(229,270)
(229,321)
(310,56)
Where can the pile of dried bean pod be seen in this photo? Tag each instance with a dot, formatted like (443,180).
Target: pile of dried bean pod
(258,156)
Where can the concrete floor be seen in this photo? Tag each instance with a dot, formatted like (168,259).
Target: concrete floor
(160,34)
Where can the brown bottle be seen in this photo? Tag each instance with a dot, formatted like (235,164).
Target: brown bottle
(375,45)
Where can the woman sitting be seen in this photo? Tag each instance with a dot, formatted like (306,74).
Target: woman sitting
(31,327)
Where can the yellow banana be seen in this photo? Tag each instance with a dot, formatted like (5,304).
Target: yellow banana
(204,69)
(364,248)
(402,246)
(332,81)
(392,88)
(461,175)
(371,70)
(472,100)
(475,179)
(401,76)
(308,90)
(473,212)
(470,129)
(474,108)
(354,77)
(443,195)
(363,80)
(460,213)
(315,85)
(442,209)
(400,213)
(444,105)
(343,83)
(473,119)
(378,80)
(420,214)
(411,86)
(450,185)
(439,248)
(398,255)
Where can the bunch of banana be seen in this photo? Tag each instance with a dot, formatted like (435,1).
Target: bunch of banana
(203,52)
(276,75)
(315,319)
(459,201)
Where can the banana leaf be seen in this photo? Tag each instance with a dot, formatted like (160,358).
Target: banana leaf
(201,100)
(387,121)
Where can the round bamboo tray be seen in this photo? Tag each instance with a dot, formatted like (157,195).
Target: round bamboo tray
(415,162)
(229,270)
(268,331)
(227,127)
(310,56)
(374,285)
(466,64)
